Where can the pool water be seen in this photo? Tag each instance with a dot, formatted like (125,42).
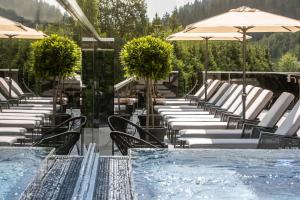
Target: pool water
(18,167)
(216,174)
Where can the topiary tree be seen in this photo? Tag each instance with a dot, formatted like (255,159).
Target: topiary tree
(55,58)
(149,58)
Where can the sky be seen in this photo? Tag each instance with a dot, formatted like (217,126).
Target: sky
(162,6)
(154,6)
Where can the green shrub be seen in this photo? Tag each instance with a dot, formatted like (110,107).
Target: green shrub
(147,57)
(288,63)
(55,57)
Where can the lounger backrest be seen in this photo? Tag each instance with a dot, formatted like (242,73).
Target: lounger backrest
(226,95)
(232,97)
(251,97)
(259,104)
(238,100)
(211,89)
(2,98)
(15,86)
(201,91)
(292,122)
(220,92)
(5,89)
(277,110)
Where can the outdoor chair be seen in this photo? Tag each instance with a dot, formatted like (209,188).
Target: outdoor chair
(126,141)
(284,135)
(121,124)
(64,136)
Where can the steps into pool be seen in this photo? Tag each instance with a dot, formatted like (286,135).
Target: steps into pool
(83,177)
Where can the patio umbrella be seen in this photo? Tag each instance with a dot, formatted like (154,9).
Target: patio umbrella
(9,25)
(182,36)
(245,20)
(17,31)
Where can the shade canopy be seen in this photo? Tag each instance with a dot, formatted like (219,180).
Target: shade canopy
(9,25)
(182,36)
(29,33)
(253,20)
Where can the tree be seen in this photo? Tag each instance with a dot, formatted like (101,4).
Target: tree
(149,58)
(288,63)
(55,58)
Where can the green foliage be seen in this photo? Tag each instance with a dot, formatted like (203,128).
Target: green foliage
(55,56)
(288,63)
(147,57)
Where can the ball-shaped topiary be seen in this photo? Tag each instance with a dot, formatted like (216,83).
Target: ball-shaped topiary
(55,56)
(147,57)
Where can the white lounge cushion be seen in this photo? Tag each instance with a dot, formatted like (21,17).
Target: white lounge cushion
(47,112)
(12,131)
(7,140)
(210,133)
(167,117)
(277,110)
(198,125)
(28,124)
(38,101)
(30,108)
(185,113)
(179,109)
(23,114)
(222,143)
(203,119)
(157,107)
(20,117)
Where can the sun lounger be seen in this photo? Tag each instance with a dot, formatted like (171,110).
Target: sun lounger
(5,89)
(17,89)
(287,129)
(199,93)
(11,104)
(230,104)
(210,91)
(232,111)
(28,124)
(212,101)
(268,121)
(8,140)
(12,131)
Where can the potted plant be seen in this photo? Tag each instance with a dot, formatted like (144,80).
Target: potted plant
(55,58)
(148,58)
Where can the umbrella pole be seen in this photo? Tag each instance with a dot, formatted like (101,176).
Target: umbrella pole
(9,69)
(244,95)
(206,68)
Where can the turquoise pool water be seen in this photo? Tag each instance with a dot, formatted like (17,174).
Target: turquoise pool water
(216,174)
(18,167)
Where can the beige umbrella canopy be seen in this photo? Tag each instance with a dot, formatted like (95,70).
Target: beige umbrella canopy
(14,30)
(9,25)
(245,20)
(182,36)
(29,33)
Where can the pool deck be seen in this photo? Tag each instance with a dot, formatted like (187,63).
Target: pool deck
(89,177)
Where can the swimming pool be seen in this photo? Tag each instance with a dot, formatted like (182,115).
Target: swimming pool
(18,167)
(216,174)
